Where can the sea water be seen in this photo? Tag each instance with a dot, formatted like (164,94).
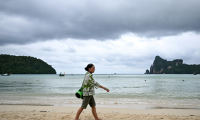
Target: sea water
(134,91)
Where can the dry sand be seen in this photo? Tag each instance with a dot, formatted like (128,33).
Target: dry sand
(25,112)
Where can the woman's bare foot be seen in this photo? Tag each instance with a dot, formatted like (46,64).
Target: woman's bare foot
(98,119)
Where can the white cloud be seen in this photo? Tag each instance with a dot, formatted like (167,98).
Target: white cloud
(128,54)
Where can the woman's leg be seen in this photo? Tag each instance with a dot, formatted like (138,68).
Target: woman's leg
(85,102)
(78,113)
(95,113)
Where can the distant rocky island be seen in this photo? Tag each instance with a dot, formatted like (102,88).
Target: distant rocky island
(24,65)
(162,66)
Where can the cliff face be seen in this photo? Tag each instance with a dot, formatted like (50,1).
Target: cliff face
(161,66)
(24,65)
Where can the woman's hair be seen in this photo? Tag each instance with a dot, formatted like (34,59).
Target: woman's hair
(88,66)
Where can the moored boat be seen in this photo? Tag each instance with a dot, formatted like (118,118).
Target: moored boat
(6,74)
(61,74)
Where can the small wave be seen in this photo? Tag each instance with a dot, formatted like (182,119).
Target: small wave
(135,87)
(7,86)
(27,83)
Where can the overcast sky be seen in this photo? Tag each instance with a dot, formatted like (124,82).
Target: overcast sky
(117,36)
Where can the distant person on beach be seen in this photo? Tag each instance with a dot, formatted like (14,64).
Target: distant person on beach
(88,91)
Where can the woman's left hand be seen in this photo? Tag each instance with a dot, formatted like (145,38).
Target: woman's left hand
(107,90)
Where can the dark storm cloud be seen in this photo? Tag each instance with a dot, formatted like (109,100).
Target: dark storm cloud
(25,21)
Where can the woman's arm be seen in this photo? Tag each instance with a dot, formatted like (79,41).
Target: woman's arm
(104,88)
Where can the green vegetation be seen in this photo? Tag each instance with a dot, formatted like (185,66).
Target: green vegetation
(161,66)
(24,65)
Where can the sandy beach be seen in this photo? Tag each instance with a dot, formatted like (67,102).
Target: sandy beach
(34,112)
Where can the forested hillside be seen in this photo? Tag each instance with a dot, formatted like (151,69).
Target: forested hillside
(161,66)
(24,65)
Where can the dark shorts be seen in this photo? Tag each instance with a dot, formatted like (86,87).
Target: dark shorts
(88,100)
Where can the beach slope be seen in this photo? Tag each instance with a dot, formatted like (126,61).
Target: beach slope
(26,112)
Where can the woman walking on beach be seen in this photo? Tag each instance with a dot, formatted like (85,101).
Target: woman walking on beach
(88,91)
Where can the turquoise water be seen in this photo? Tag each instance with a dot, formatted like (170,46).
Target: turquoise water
(130,90)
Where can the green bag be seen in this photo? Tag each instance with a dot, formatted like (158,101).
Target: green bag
(79,93)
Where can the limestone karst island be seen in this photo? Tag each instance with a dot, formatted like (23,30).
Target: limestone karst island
(24,65)
(162,66)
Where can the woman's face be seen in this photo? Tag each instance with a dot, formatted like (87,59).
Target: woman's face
(92,69)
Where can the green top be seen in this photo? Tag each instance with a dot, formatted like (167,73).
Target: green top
(88,85)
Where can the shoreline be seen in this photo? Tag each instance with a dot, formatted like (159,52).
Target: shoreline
(126,106)
(25,112)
